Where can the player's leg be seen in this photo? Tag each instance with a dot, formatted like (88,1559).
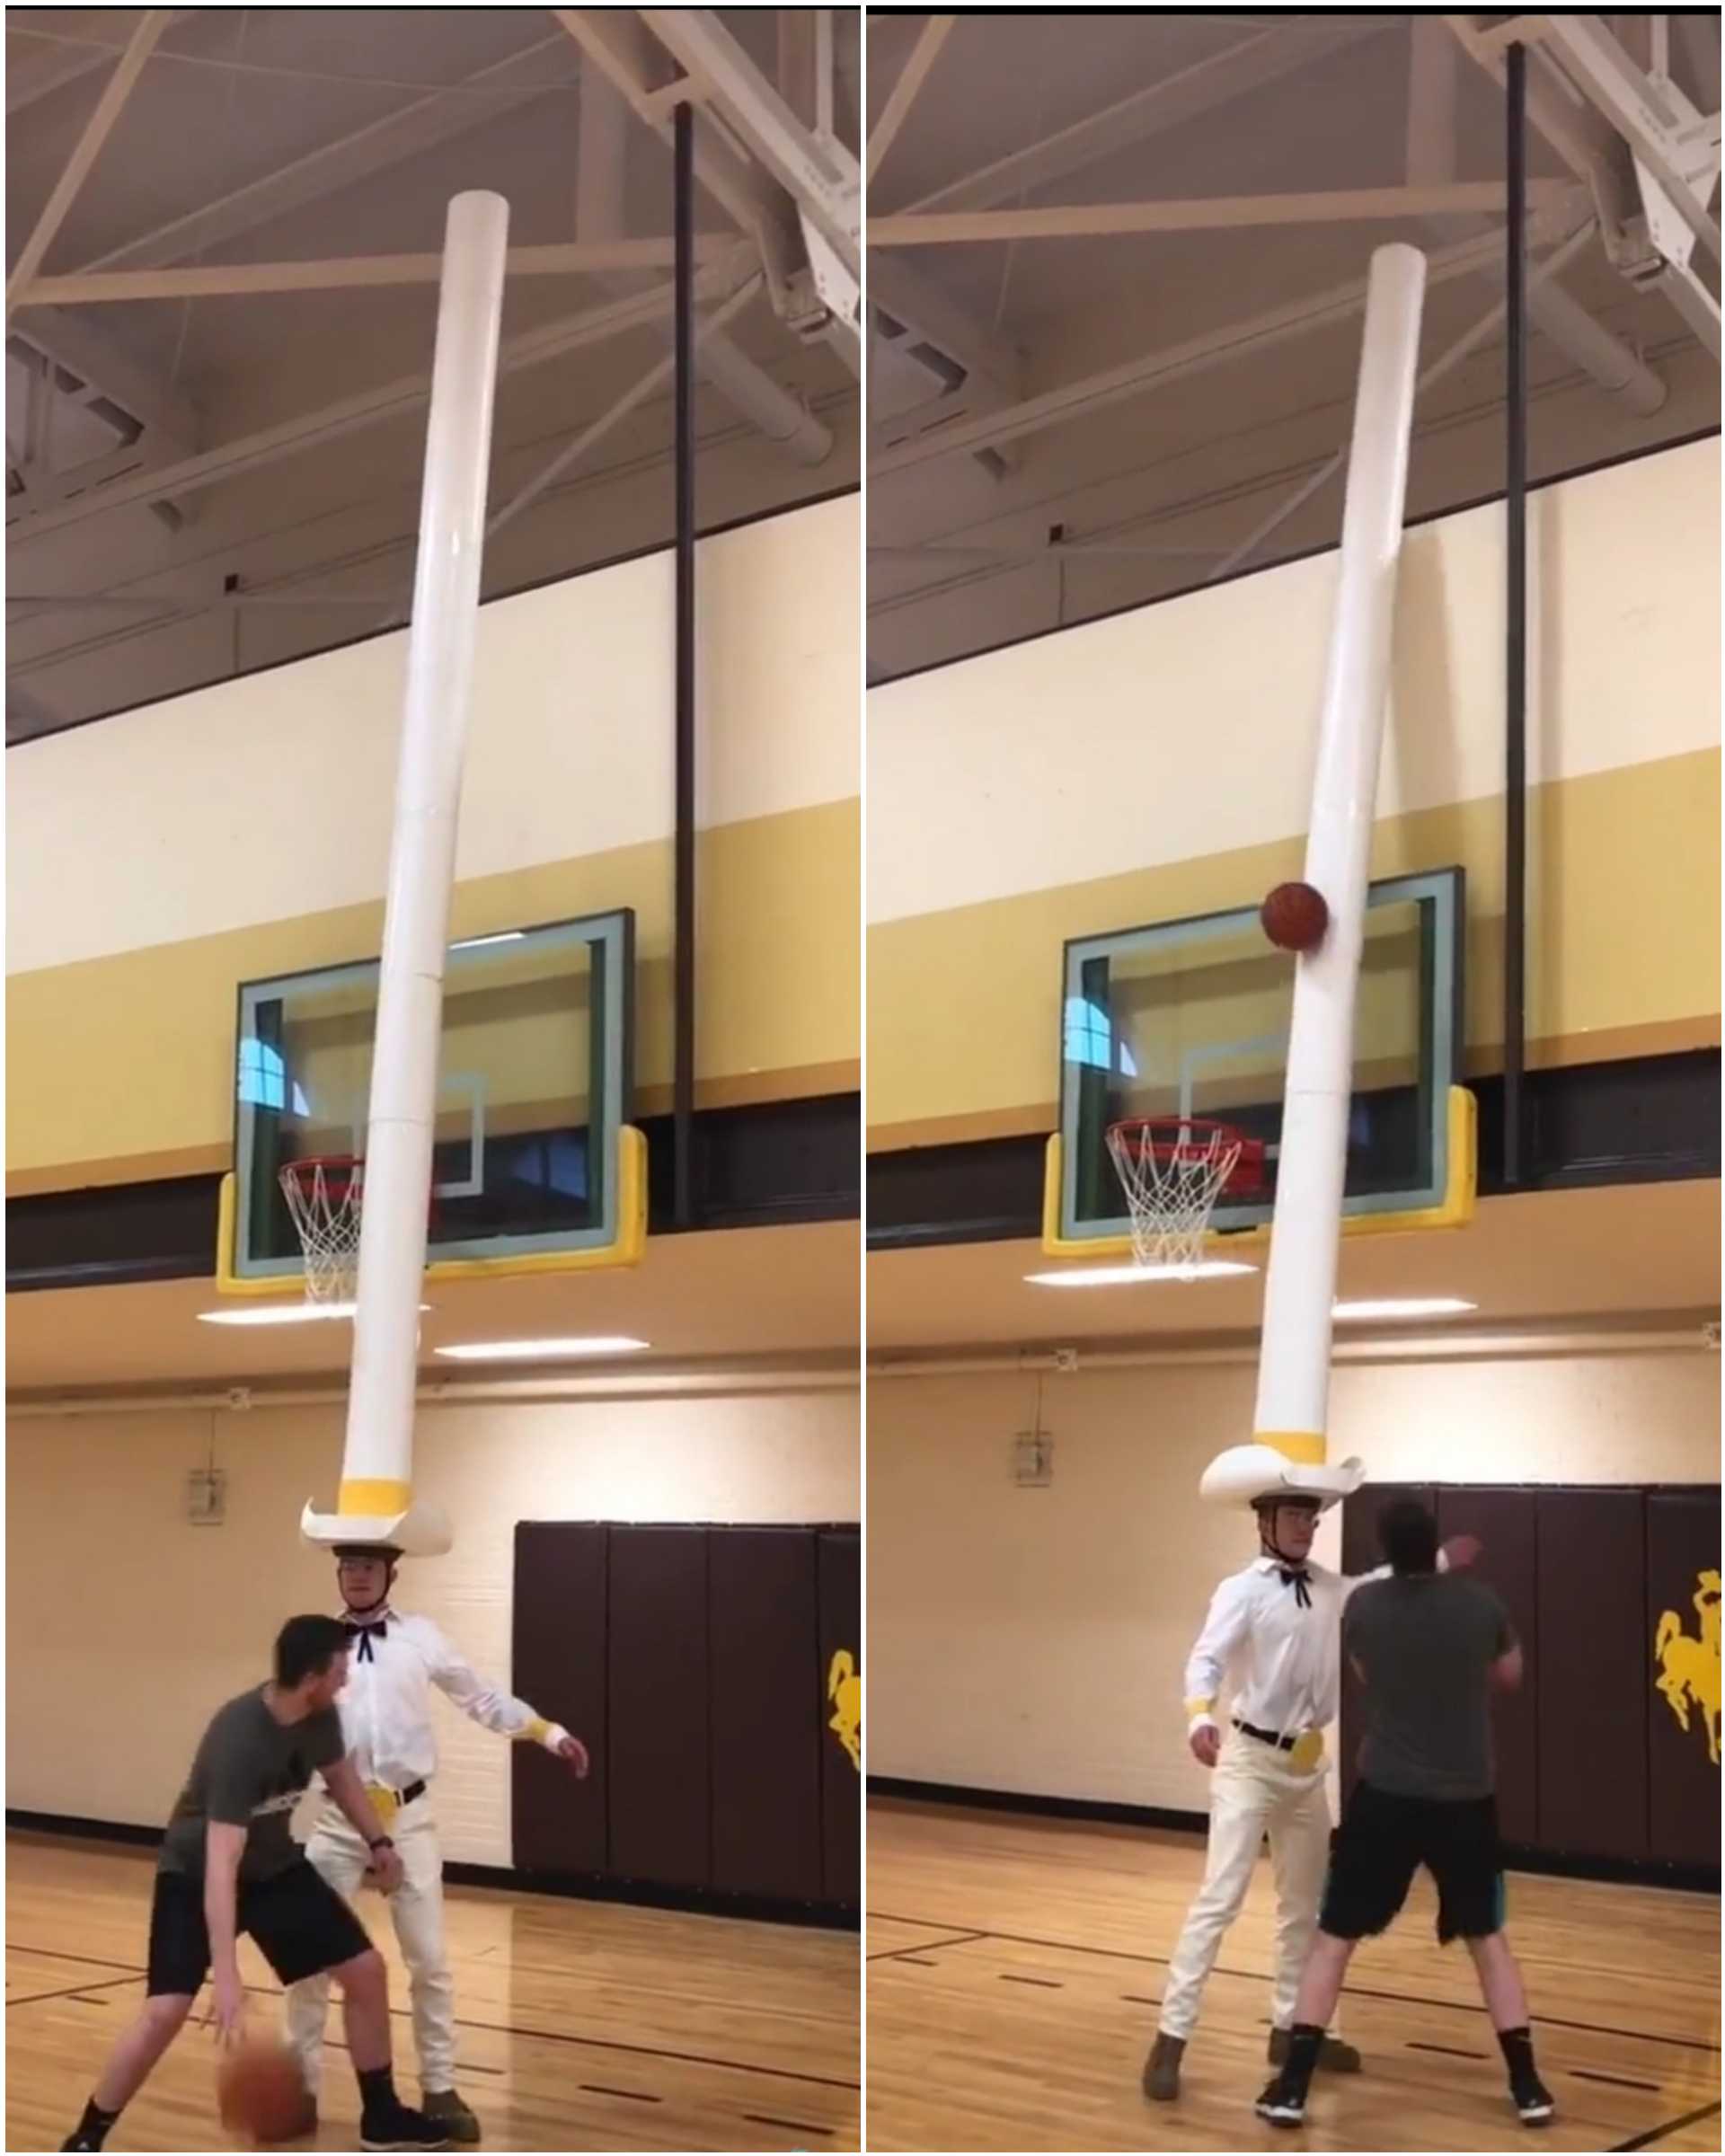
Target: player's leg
(339,1856)
(179,1960)
(1299,1855)
(1466,1862)
(417,1911)
(1376,1853)
(304,1928)
(1242,1799)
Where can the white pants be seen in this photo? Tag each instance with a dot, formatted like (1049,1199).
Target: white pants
(1253,1792)
(416,1908)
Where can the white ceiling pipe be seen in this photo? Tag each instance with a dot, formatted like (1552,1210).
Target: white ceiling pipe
(1428,1347)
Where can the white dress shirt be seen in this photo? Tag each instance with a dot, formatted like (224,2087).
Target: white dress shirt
(385,1704)
(1284,1657)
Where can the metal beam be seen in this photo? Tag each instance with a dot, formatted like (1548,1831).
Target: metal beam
(391,400)
(1219,213)
(821,178)
(85,152)
(1267,57)
(38,74)
(1137,377)
(346,161)
(906,90)
(103,287)
(86,350)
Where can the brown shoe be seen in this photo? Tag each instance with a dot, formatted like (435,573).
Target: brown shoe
(1334,2055)
(447,2108)
(1161,2069)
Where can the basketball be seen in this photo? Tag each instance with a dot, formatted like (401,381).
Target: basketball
(1295,916)
(260,2095)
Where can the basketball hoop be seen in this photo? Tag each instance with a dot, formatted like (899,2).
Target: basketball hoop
(1173,1169)
(323,1194)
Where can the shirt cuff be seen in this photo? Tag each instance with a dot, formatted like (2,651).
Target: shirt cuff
(539,1731)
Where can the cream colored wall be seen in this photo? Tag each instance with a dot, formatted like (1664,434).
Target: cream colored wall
(126,1626)
(1189,727)
(270,797)
(1033,1640)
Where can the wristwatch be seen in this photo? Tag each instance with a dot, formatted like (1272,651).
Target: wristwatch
(383,1842)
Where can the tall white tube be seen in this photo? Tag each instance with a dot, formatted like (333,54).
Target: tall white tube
(377,1465)
(1300,1277)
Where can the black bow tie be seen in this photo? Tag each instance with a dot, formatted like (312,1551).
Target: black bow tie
(1291,1579)
(365,1634)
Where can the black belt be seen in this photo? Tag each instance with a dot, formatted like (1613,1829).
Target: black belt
(1266,1736)
(406,1795)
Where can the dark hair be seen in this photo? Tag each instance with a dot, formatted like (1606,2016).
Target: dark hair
(1408,1532)
(305,1647)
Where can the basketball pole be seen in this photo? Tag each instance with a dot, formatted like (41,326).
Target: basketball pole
(377,1499)
(1292,1408)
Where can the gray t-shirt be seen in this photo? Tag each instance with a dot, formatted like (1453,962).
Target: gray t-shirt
(1424,1641)
(251,1771)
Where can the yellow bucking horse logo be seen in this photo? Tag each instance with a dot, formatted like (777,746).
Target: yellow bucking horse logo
(844,1690)
(1689,1667)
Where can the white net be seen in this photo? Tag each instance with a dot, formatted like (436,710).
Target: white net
(1172,1172)
(325,1199)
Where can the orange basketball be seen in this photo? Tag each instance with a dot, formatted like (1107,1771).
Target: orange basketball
(261,2094)
(1295,916)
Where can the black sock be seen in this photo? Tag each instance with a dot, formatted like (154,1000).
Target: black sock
(1517,2046)
(377,2090)
(94,2125)
(1305,2040)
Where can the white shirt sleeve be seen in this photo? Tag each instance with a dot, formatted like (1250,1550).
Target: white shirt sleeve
(1225,1628)
(483,1702)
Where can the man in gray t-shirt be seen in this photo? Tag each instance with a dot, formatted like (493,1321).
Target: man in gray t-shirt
(251,1770)
(1428,1648)
(1424,1643)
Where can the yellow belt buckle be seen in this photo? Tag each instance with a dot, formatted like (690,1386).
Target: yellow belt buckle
(385,1803)
(1308,1752)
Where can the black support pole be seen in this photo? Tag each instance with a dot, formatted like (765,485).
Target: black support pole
(1515,826)
(682,1068)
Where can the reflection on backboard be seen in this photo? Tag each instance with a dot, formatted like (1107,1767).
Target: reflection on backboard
(533,1166)
(1191,1018)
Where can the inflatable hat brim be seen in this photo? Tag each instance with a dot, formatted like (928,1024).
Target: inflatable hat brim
(423,1530)
(1246,1473)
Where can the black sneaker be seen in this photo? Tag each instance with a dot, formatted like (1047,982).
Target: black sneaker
(77,2142)
(1532,2099)
(401,2127)
(1280,2105)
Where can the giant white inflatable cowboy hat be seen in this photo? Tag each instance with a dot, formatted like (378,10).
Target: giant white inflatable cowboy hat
(1259,1474)
(381,1514)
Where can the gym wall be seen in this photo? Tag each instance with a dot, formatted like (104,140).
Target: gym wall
(1065,785)
(159,858)
(1032,1639)
(178,1618)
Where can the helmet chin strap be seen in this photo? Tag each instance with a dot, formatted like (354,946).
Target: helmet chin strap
(1267,1538)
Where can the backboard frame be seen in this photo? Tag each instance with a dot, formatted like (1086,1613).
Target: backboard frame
(1447,1198)
(618,1235)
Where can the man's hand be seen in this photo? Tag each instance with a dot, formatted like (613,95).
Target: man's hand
(1461,1550)
(384,1870)
(227,2005)
(573,1752)
(1206,1741)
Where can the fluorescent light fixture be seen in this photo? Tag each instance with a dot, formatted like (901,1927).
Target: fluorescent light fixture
(506,935)
(1407,1306)
(540,1351)
(1128,1276)
(281,1313)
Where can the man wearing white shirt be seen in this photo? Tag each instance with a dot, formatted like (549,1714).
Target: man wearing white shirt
(1275,1626)
(386,1709)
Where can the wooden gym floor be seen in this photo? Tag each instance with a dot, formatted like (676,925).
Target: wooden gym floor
(581,2024)
(1015,1965)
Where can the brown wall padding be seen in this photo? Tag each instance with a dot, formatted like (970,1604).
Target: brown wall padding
(765,1682)
(657,1652)
(841,1633)
(1683,1543)
(1592,1672)
(557,1823)
(1503,1520)
(1362,1553)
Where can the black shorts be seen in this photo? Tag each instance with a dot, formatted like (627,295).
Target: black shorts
(300,1922)
(1382,1843)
